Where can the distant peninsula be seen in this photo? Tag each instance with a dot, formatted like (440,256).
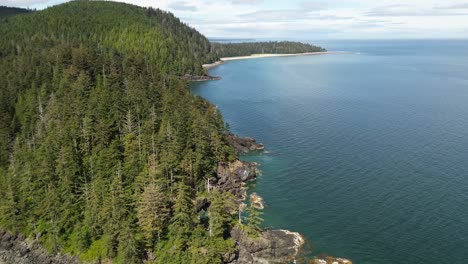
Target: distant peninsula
(271,47)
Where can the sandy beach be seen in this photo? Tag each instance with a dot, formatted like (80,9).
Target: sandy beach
(258,56)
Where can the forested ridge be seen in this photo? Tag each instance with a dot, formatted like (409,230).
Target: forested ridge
(104,151)
(6,11)
(223,50)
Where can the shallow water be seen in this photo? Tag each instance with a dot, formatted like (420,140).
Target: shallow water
(367,153)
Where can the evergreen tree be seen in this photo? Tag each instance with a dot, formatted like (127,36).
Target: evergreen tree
(254,220)
(220,213)
(182,221)
(153,212)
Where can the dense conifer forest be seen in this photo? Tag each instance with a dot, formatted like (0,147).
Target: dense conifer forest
(103,149)
(6,11)
(223,50)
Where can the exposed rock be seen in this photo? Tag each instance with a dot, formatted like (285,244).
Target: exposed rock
(257,201)
(272,246)
(330,260)
(233,175)
(16,249)
(199,78)
(244,144)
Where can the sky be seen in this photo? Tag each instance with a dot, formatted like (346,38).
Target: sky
(310,19)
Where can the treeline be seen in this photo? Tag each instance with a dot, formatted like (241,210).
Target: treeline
(103,150)
(222,50)
(6,11)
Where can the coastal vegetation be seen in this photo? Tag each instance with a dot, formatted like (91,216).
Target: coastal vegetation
(223,50)
(104,152)
(102,148)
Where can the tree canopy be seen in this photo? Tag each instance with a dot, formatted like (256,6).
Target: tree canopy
(223,50)
(103,149)
(6,11)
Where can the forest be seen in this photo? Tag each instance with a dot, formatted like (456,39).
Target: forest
(104,151)
(103,148)
(6,11)
(234,49)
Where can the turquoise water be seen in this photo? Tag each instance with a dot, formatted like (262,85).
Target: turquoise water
(366,153)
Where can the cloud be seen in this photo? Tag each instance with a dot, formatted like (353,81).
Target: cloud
(246,2)
(183,6)
(274,15)
(314,5)
(410,10)
(457,6)
(292,15)
(22,3)
(310,18)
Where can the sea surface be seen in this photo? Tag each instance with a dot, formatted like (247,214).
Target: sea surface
(366,153)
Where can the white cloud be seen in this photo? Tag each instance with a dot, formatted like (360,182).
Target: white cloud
(246,2)
(456,6)
(182,6)
(312,18)
(22,3)
(412,10)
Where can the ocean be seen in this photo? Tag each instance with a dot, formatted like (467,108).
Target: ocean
(366,153)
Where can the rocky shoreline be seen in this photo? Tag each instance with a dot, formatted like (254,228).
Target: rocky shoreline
(243,145)
(273,246)
(17,249)
(199,78)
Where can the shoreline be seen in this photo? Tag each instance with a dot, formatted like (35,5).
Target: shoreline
(298,239)
(269,55)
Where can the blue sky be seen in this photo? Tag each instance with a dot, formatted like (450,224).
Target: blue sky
(311,19)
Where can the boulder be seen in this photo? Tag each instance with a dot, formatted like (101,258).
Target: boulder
(272,246)
(257,201)
(244,145)
(330,260)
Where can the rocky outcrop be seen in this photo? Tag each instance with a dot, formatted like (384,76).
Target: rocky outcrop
(272,246)
(16,249)
(233,175)
(257,201)
(244,145)
(199,78)
(330,260)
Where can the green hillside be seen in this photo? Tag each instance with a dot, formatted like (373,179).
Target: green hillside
(6,11)
(102,147)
